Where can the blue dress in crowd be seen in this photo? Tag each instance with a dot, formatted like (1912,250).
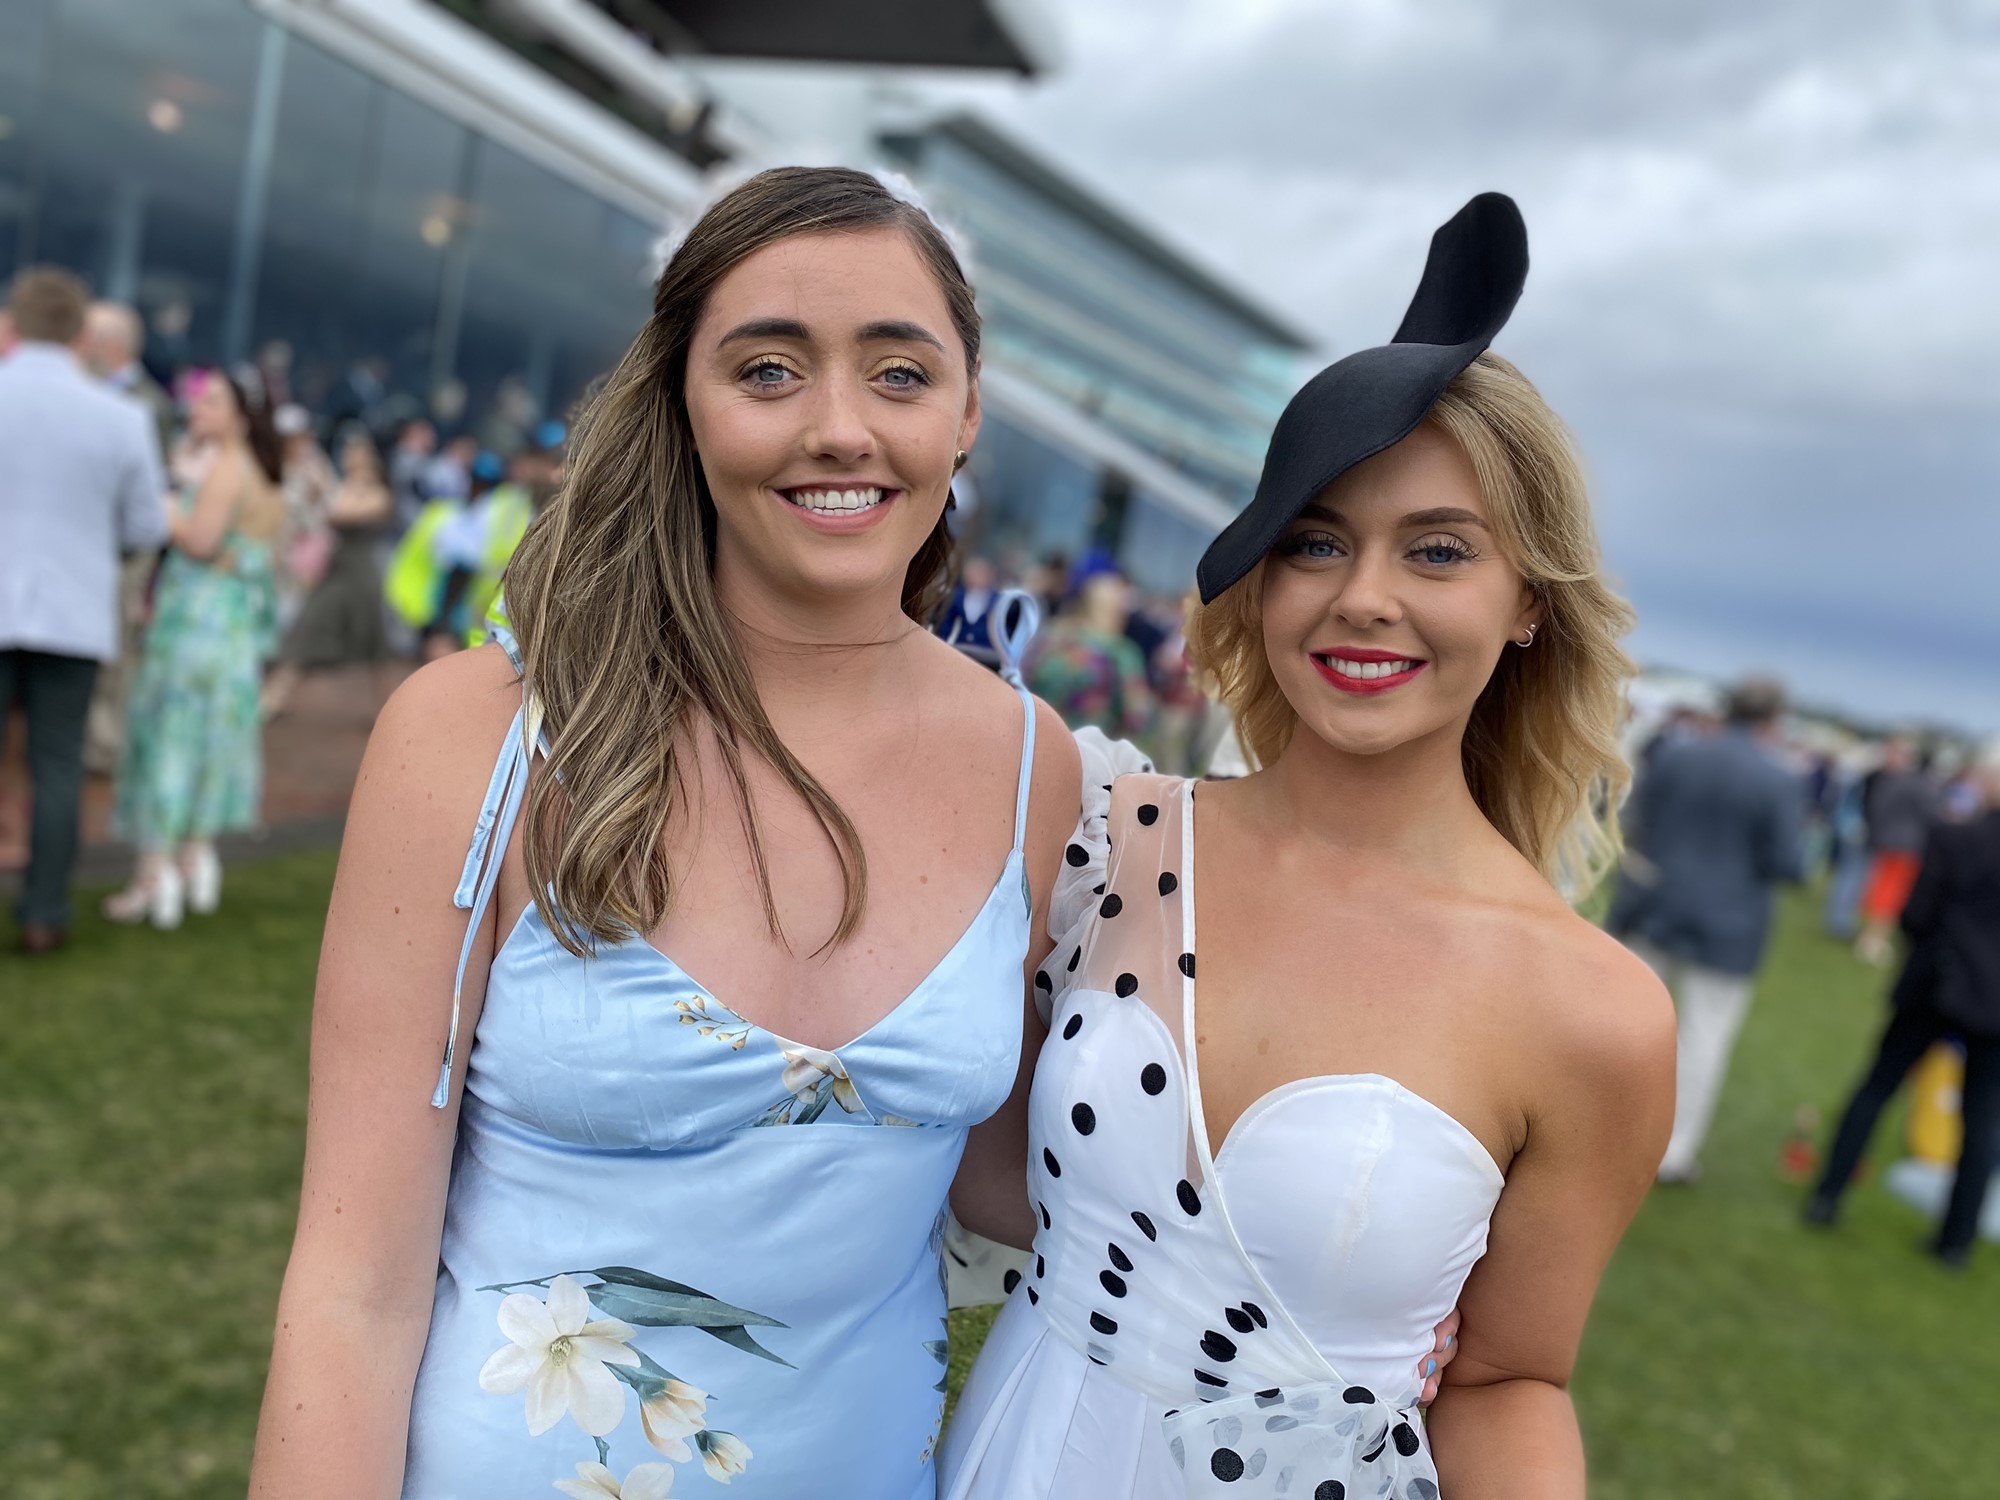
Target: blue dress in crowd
(680,1251)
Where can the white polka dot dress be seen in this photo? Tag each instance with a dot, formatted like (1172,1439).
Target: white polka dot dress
(1248,1325)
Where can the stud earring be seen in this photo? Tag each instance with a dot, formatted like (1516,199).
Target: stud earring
(1531,629)
(958,460)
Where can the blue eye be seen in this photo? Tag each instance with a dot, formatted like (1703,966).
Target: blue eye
(1442,552)
(767,372)
(1313,544)
(904,377)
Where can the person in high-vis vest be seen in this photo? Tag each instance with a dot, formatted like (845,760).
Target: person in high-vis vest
(502,520)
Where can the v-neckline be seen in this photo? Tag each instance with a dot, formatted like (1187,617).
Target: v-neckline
(636,941)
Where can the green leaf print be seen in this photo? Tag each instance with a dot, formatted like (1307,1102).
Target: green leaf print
(655,1302)
(739,1337)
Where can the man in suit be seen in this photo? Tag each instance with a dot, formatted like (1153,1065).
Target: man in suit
(80,482)
(1950,986)
(113,339)
(1714,826)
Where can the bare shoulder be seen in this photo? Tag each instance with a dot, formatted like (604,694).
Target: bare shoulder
(993,704)
(436,739)
(1598,1009)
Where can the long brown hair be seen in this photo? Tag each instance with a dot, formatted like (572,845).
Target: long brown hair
(1541,749)
(612,598)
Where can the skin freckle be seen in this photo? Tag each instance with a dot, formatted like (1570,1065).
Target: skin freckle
(1263,1045)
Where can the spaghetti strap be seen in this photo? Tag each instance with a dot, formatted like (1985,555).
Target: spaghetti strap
(1016,615)
(480,876)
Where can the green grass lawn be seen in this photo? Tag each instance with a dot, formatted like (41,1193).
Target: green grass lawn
(152,1099)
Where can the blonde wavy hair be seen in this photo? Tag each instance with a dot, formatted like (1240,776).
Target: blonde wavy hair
(624,642)
(1541,749)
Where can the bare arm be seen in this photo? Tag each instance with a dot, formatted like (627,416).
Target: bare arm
(1503,1427)
(355,1307)
(200,531)
(359,503)
(989,1196)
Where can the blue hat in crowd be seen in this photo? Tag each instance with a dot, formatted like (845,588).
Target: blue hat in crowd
(1358,406)
(489,467)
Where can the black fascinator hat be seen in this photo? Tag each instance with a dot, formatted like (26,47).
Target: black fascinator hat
(1360,405)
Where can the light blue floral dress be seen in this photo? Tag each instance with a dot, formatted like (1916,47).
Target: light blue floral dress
(681,1252)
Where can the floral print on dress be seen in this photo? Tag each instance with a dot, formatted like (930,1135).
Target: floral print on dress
(571,1364)
(813,1079)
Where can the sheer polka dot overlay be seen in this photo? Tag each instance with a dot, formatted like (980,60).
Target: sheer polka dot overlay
(1137,1265)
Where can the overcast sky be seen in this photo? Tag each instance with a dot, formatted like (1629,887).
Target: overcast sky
(1765,242)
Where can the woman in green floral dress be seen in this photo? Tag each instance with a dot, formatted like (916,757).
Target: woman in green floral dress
(193,763)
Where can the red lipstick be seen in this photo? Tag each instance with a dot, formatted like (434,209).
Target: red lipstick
(1347,682)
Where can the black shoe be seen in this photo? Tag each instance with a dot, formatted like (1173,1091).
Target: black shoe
(1822,1210)
(1951,1257)
(38,938)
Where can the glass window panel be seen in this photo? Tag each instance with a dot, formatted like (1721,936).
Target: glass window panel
(142,130)
(24,32)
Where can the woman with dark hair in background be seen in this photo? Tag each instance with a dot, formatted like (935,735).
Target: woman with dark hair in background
(342,621)
(193,760)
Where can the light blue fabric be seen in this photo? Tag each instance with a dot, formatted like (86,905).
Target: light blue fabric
(751,1228)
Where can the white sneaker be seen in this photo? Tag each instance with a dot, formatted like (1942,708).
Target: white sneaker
(167,899)
(204,881)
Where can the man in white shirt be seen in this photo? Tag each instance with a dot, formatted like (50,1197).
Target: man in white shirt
(80,483)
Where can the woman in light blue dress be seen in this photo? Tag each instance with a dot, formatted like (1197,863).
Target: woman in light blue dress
(715,892)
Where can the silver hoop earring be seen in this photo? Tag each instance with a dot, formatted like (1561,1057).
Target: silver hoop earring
(1531,629)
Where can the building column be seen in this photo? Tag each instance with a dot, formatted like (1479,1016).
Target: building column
(246,258)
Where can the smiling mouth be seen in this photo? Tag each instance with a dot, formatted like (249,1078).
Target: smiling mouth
(841,502)
(1368,676)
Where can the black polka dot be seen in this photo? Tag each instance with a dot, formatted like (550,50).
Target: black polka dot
(1330,1489)
(1044,983)
(1207,1379)
(1149,813)
(1103,1324)
(1190,1199)
(1049,1161)
(1226,1464)
(1112,1282)
(1238,1319)
(1169,882)
(1187,964)
(1358,1395)
(1045,1214)
(1218,1347)
(1369,1458)
(1118,1257)
(1152,1078)
(1097,890)
(1072,1026)
(1145,1226)
(1077,855)
(1257,1313)
(1110,907)
(1098,1359)
(1041,1268)
(1405,1437)
(1071,966)
(1271,1397)
(1125,985)
(1011,1280)
(1032,1297)
(1084,1118)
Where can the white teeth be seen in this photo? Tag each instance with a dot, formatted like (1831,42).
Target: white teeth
(835,501)
(1369,670)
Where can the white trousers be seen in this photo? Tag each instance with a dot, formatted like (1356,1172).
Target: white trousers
(1711,1006)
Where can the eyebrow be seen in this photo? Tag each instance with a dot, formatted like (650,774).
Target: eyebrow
(1444,515)
(894,330)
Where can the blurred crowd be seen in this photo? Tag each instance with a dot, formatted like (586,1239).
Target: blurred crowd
(1728,806)
(178,549)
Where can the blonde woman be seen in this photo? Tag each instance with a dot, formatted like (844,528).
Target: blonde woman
(1394,1071)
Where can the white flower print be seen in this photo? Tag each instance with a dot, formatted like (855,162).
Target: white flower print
(673,1414)
(560,1357)
(595,1482)
(723,1454)
(806,1067)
